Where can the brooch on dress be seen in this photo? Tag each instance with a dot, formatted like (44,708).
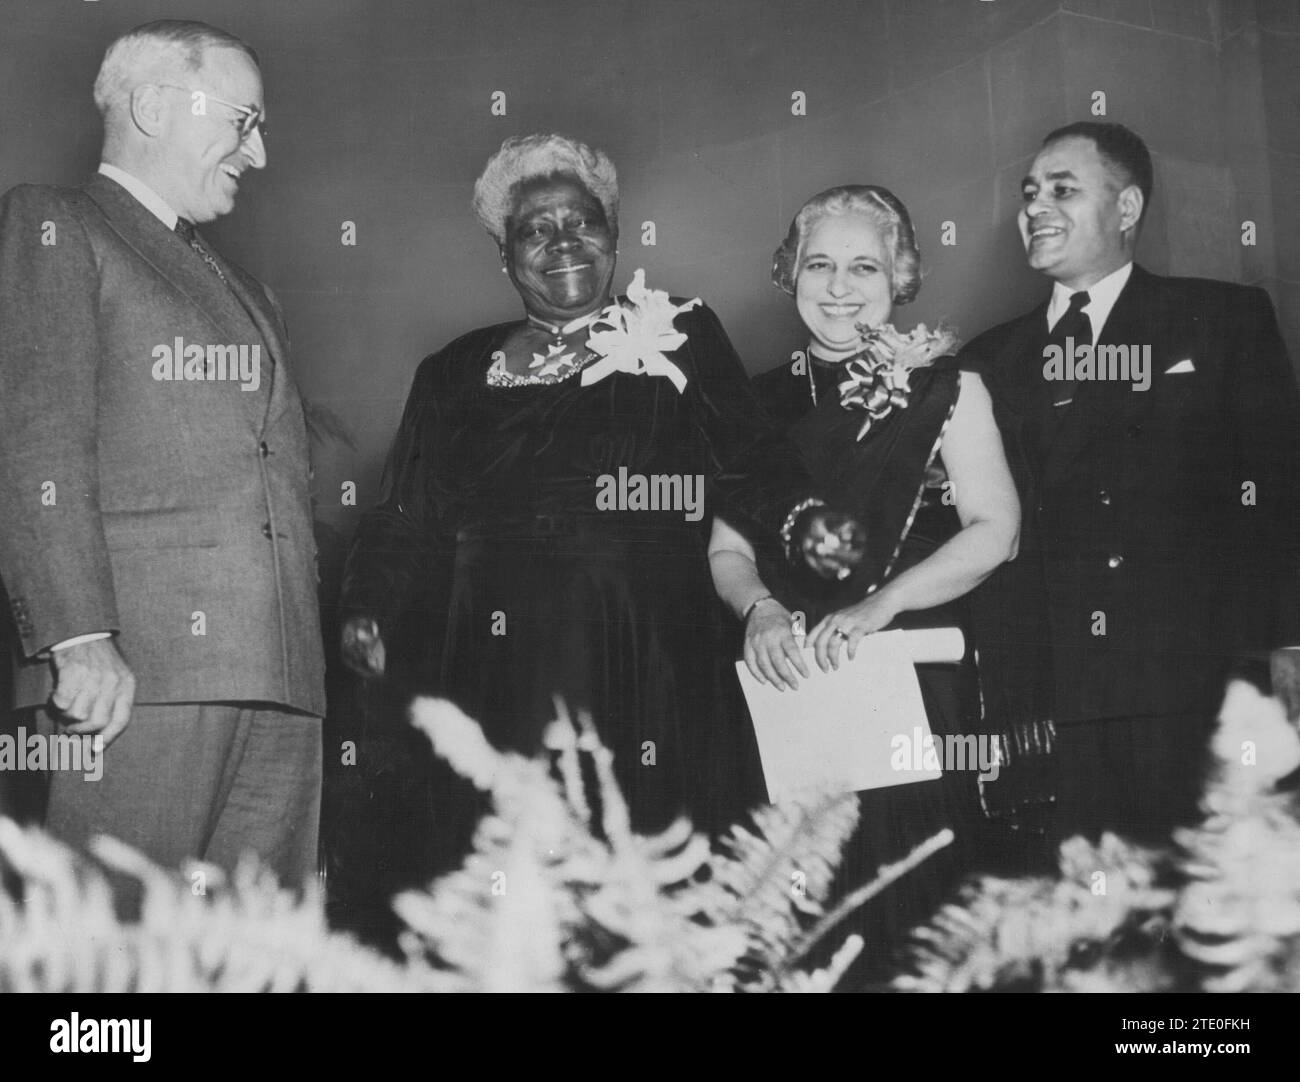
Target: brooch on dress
(560,362)
(876,382)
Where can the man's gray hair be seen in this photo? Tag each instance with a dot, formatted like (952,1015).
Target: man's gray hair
(159,50)
(526,157)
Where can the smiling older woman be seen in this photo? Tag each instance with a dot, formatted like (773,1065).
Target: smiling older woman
(542,535)
(918,458)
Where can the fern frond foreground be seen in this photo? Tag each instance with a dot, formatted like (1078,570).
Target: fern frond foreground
(553,897)
(61,933)
(1218,910)
(559,894)
(606,909)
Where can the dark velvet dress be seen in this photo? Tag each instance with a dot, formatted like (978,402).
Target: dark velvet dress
(892,482)
(499,581)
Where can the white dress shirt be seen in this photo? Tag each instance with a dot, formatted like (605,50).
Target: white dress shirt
(1101,299)
(154,203)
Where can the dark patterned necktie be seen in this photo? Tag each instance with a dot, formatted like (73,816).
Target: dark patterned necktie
(186,231)
(1073,324)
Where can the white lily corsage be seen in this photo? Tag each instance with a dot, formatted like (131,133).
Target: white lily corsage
(634,339)
(877,382)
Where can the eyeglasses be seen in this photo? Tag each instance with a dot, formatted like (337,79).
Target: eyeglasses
(251,118)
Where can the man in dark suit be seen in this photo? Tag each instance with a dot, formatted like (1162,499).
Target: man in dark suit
(157,542)
(1152,424)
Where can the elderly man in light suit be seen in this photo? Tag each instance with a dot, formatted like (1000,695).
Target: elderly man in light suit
(157,541)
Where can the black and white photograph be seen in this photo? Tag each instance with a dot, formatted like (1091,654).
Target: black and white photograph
(752,496)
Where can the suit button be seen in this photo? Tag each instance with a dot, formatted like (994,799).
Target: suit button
(264,448)
(1114,562)
(1104,497)
(266,530)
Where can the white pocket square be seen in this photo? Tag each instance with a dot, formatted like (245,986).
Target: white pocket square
(1182,366)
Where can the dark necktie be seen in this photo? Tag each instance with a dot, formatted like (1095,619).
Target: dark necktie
(186,231)
(1076,325)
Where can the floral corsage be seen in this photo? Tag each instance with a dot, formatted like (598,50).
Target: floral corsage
(634,339)
(877,382)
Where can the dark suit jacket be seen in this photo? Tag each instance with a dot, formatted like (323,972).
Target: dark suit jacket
(174,507)
(1140,513)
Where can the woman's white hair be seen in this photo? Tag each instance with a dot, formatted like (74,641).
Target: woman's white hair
(165,49)
(526,157)
(879,204)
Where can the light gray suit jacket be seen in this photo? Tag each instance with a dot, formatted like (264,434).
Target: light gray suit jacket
(174,512)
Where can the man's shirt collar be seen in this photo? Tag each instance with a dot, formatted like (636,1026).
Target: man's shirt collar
(1101,299)
(154,203)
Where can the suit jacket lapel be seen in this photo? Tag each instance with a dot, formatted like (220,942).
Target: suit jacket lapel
(231,321)
(254,299)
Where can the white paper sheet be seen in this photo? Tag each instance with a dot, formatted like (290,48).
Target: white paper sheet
(862,726)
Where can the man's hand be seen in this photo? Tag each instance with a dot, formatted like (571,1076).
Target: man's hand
(832,544)
(361,646)
(94,689)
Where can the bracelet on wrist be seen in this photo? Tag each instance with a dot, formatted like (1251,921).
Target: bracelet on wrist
(744,616)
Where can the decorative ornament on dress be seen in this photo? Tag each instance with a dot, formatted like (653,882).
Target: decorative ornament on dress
(877,382)
(634,339)
(556,362)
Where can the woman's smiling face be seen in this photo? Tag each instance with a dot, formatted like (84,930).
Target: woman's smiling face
(559,249)
(844,277)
